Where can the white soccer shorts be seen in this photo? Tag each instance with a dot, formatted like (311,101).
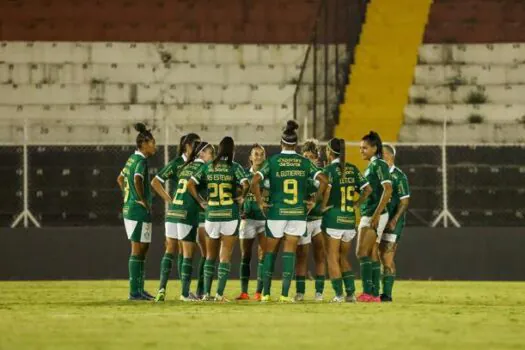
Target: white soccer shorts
(383,221)
(250,228)
(177,230)
(138,231)
(215,229)
(344,235)
(278,228)
(313,228)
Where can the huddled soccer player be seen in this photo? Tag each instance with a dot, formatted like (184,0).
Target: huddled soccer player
(171,173)
(374,216)
(294,202)
(288,205)
(252,227)
(227,185)
(339,221)
(133,181)
(310,150)
(397,208)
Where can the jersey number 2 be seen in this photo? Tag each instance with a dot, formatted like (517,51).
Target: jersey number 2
(182,186)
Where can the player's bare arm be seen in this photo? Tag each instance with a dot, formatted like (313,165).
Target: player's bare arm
(120,181)
(401,209)
(192,187)
(385,197)
(363,196)
(160,190)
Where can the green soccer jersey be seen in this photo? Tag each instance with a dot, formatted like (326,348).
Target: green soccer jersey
(136,166)
(315,213)
(251,209)
(184,208)
(400,190)
(170,173)
(376,174)
(341,215)
(288,173)
(222,181)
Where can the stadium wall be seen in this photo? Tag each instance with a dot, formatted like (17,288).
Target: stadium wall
(101,253)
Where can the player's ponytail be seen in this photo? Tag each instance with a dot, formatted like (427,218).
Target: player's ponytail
(197,147)
(342,155)
(289,136)
(374,140)
(187,140)
(225,152)
(144,135)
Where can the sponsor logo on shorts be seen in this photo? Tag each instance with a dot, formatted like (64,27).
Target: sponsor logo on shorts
(291,211)
(345,220)
(180,214)
(220,214)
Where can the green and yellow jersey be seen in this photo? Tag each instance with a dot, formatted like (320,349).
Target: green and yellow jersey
(222,181)
(400,190)
(288,173)
(377,173)
(251,209)
(184,208)
(312,189)
(341,215)
(136,165)
(170,173)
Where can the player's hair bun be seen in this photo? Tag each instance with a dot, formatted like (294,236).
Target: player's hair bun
(291,126)
(140,127)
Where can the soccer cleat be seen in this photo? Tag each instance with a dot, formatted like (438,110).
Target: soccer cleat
(385,298)
(299,297)
(365,298)
(221,299)
(284,299)
(206,297)
(161,295)
(193,296)
(148,296)
(187,299)
(375,299)
(137,297)
(350,298)
(338,299)
(318,297)
(257,296)
(265,298)
(243,296)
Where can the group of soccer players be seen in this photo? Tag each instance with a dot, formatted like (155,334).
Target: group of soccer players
(286,202)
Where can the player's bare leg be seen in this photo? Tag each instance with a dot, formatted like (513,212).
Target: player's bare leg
(301,269)
(271,245)
(212,248)
(246,257)
(201,241)
(320,265)
(227,244)
(334,270)
(365,247)
(166,264)
(289,250)
(387,253)
(346,270)
(187,268)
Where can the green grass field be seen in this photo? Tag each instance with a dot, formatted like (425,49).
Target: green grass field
(425,315)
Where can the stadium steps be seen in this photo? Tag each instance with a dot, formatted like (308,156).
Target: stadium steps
(383,70)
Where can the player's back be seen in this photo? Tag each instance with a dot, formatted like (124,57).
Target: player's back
(400,189)
(288,173)
(222,179)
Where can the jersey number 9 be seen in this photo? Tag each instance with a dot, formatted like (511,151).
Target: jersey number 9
(223,191)
(290,187)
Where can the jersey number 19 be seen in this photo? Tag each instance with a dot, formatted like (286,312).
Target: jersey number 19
(347,194)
